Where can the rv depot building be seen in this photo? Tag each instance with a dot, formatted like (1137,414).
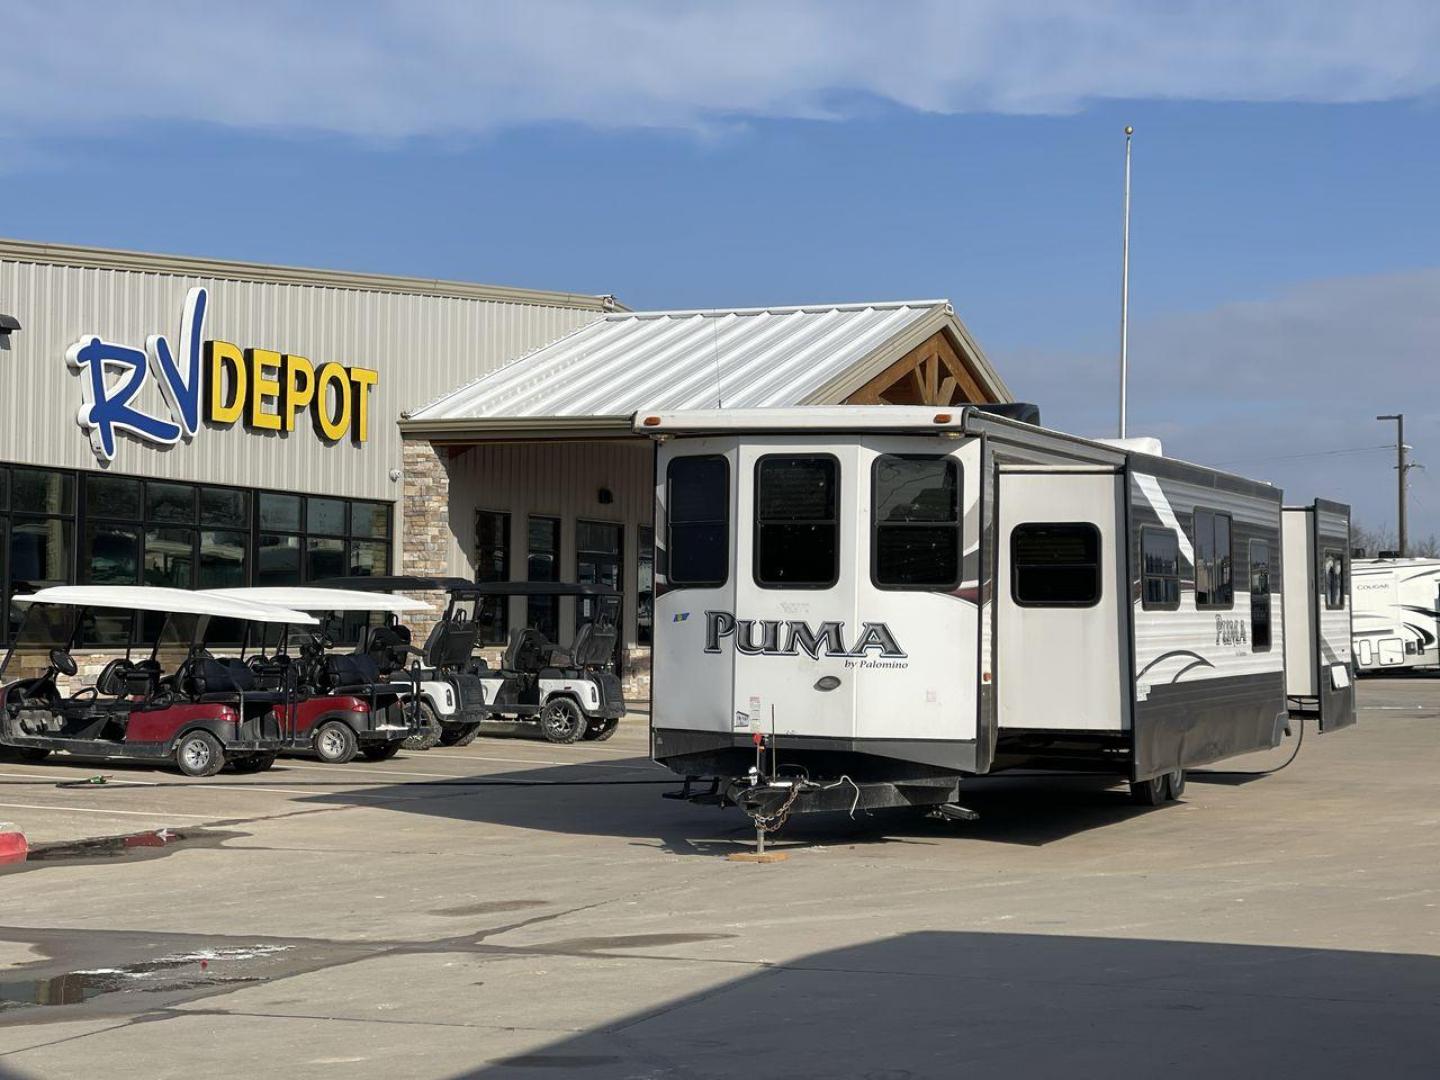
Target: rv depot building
(197,423)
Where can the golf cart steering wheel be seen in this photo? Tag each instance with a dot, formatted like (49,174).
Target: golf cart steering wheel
(63,663)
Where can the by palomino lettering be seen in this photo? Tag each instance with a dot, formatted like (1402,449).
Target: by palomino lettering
(791,637)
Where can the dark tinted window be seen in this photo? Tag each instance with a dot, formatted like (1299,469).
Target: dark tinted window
(170,502)
(223,506)
(1214,561)
(1259,596)
(370,519)
(698,506)
(1159,569)
(110,554)
(916,527)
(1055,564)
(1334,583)
(797,528)
(492,563)
(112,497)
(325,516)
(38,491)
(280,512)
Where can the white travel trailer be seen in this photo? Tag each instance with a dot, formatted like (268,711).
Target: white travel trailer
(859,606)
(1397,613)
(1317,612)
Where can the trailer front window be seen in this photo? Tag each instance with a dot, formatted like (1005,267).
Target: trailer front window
(797,525)
(1335,589)
(697,522)
(1055,564)
(1259,596)
(915,539)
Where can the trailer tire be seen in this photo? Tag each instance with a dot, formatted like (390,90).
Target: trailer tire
(198,753)
(380,752)
(458,734)
(561,721)
(429,734)
(335,743)
(253,763)
(1175,784)
(1151,792)
(600,730)
(23,755)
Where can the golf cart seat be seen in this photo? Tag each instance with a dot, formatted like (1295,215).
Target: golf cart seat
(450,643)
(209,679)
(528,651)
(356,674)
(387,646)
(594,645)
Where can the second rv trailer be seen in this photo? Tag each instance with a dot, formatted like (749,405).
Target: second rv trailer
(1397,614)
(859,606)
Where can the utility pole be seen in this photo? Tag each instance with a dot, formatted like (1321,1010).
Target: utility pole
(1401,468)
(1125,287)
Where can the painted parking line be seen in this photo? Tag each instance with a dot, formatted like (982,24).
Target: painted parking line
(91,810)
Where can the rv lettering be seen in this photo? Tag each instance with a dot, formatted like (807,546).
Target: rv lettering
(1230,631)
(771,637)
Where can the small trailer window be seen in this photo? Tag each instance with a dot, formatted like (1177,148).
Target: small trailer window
(797,524)
(1159,569)
(1214,561)
(1055,564)
(1259,596)
(698,521)
(1334,580)
(916,529)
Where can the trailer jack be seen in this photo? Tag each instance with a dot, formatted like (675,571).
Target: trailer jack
(953,812)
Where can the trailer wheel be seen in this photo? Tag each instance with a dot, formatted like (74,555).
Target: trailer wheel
(253,763)
(335,743)
(430,730)
(458,734)
(561,721)
(380,752)
(23,755)
(1150,792)
(199,754)
(1175,784)
(601,730)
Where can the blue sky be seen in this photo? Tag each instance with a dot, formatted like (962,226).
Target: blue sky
(1286,242)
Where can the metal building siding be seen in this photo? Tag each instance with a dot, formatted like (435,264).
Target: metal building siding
(553,479)
(679,360)
(421,345)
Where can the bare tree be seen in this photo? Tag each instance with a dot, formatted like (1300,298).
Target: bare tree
(1374,541)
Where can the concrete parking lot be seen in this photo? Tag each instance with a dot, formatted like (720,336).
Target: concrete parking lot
(443,915)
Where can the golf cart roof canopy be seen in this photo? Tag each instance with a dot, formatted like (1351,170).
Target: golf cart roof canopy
(307,598)
(392,583)
(533,588)
(154,598)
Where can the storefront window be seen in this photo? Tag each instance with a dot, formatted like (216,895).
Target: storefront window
(599,547)
(169,557)
(40,536)
(325,516)
(277,560)
(222,559)
(645,588)
(170,502)
(112,497)
(324,558)
(370,520)
(111,554)
(224,506)
(280,512)
(492,563)
(542,563)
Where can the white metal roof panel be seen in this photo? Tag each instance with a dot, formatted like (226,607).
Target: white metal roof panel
(673,360)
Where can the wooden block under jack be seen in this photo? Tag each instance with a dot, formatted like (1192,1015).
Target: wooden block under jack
(757,856)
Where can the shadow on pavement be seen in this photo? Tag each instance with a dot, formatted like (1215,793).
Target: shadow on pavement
(943,1005)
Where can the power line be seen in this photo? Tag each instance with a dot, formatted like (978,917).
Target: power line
(1312,454)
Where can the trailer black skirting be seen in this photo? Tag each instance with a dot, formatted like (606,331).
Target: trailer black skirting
(713,753)
(1184,724)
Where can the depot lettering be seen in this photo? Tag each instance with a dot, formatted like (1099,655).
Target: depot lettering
(261,389)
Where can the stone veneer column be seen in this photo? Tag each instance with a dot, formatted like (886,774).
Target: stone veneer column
(425,526)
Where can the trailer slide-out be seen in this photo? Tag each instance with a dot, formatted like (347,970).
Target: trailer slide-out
(860,606)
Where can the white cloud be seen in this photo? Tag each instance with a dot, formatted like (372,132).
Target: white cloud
(394,69)
(1271,388)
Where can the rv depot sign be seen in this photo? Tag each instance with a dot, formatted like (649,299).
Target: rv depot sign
(258,388)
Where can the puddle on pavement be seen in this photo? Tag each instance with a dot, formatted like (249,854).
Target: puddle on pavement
(489,907)
(200,969)
(143,845)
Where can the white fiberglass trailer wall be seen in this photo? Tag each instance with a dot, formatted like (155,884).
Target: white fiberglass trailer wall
(1317,598)
(1397,613)
(901,597)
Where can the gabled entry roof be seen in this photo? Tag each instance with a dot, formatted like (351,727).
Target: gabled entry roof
(596,377)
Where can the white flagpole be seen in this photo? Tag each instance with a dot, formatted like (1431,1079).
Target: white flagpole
(1125,288)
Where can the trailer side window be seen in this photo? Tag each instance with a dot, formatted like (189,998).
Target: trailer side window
(1335,589)
(1055,564)
(797,523)
(1214,561)
(1159,569)
(915,542)
(697,523)
(1259,596)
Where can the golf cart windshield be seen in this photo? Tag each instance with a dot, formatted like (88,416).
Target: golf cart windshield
(44,628)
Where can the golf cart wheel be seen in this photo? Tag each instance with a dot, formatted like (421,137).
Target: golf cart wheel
(253,763)
(458,734)
(561,721)
(199,754)
(601,730)
(335,743)
(1150,792)
(430,730)
(380,751)
(1175,784)
(23,755)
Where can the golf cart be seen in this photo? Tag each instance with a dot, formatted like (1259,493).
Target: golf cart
(177,703)
(569,692)
(342,704)
(449,700)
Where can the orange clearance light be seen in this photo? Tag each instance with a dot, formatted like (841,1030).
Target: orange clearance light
(942,418)
(652,421)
